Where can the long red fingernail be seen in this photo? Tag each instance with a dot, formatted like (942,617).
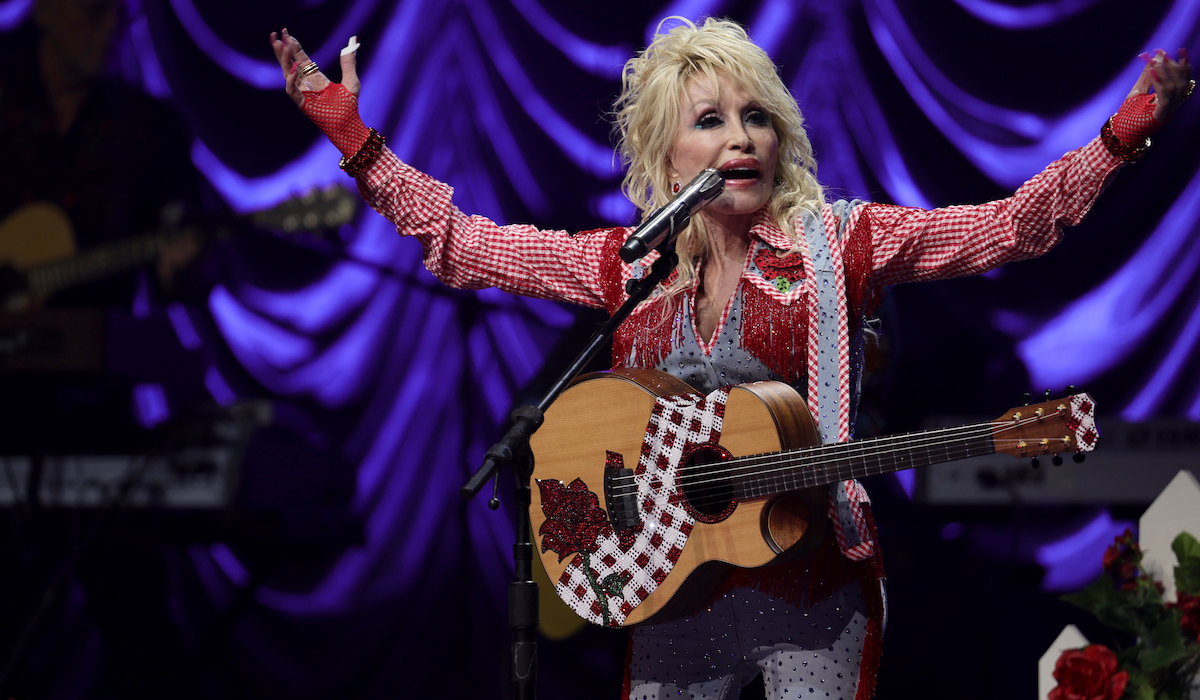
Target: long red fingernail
(294,64)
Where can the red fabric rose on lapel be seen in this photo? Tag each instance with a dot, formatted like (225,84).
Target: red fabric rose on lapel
(789,268)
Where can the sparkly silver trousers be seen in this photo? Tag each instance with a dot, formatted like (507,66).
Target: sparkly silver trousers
(801,652)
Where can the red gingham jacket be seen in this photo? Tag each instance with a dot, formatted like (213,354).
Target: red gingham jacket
(878,245)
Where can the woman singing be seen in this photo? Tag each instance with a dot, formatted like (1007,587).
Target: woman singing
(773,282)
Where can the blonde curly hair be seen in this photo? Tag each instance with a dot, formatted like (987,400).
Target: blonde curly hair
(646,120)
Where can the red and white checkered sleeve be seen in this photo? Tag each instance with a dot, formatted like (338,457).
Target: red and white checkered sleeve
(473,252)
(848,503)
(910,245)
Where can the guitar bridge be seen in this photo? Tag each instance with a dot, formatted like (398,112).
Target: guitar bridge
(620,493)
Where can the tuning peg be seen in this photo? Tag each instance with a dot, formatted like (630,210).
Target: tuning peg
(1071,390)
(1035,462)
(1028,398)
(1056,460)
(1049,395)
(1078,457)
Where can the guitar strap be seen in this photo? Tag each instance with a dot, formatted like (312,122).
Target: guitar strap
(827,369)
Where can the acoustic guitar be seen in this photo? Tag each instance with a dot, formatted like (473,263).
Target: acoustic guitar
(645,493)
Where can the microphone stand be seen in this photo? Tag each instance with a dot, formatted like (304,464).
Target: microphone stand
(512,452)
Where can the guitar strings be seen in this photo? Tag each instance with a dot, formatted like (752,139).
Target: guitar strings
(848,451)
(828,469)
(767,482)
(792,460)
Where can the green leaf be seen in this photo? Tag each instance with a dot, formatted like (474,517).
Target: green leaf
(1128,658)
(1185,546)
(613,584)
(1112,607)
(1146,595)
(1139,691)
(1187,574)
(1139,686)
(1123,618)
(1187,577)
(1168,645)
(1096,596)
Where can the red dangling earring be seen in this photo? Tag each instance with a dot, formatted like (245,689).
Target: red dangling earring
(676,187)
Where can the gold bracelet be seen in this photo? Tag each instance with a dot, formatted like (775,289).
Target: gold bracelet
(356,164)
(1128,154)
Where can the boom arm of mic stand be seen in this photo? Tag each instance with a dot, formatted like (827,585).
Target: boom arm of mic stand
(526,421)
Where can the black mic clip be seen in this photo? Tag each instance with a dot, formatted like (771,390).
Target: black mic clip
(666,223)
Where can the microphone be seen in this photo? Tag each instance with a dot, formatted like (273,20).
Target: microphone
(669,221)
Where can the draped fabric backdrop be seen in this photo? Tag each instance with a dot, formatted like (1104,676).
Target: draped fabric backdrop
(917,103)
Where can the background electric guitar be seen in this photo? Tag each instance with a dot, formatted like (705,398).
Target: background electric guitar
(38,255)
(756,497)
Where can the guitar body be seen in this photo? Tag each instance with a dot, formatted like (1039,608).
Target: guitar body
(608,412)
(36,234)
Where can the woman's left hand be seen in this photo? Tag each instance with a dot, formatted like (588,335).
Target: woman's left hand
(1171,80)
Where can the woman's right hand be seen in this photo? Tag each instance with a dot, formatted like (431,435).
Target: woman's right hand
(292,59)
(332,107)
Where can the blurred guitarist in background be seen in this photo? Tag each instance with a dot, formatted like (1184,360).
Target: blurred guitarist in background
(85,162)
(109,157)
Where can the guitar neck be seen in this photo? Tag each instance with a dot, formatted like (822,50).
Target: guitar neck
(792,470)
(94,264)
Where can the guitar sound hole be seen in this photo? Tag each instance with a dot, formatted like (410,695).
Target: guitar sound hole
(706,488)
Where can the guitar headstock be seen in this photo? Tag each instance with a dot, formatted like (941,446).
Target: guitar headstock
(1051,427)
(316,211)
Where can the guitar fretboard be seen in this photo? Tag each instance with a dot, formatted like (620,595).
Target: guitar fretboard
(780,472)
(94,264)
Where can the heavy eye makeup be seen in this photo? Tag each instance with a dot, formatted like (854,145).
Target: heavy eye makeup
(754,116)
(757,117)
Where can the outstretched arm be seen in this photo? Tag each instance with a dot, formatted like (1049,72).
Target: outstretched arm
(907,245)
(463,251)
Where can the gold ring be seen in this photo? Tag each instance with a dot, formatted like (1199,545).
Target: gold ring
(309,68)
(1190,90)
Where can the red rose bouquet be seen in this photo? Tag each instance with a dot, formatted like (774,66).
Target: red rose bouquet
(1166,658)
